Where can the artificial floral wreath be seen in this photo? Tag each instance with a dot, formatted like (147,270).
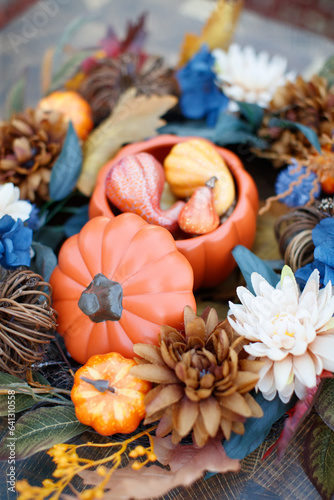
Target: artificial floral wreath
(103,329)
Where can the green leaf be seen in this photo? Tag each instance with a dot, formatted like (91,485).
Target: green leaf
(15,100)
(6,379)
(325,403)
(257,429)
(22,402)
(240,137)
(68,69)
(75,223)
(327,71)
(310,135)
(188,128)
(44,260)
(49,236)
(319,458)
(252,113)
(250,263)
(68,33)
(231,129)
(66,170)
(40,430)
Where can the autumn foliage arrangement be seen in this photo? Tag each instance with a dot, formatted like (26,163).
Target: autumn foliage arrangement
(146,345)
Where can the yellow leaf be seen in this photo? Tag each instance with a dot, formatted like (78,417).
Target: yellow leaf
(46,70)
(216,33)
(133,119)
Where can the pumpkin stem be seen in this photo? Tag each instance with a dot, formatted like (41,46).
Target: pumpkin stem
(100,385)
(211,182)
(102,300)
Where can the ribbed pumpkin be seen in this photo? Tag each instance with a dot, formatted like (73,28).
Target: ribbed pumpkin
(191,164)
(116,283)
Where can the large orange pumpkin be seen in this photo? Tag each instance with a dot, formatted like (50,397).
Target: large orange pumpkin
(209,254)
(116,283)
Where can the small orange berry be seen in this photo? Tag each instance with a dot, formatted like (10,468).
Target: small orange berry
(152,457)
(74,107)
(327,185)
(140,450)
(136,465)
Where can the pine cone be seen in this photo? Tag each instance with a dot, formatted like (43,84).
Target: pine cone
(202,382)
(110,77)
(309,103)
(30,143)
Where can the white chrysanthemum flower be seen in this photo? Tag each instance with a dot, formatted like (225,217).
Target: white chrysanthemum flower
(292,332)
(10,203)
(246,76)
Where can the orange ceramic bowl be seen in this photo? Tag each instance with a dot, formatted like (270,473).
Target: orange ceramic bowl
(209,254)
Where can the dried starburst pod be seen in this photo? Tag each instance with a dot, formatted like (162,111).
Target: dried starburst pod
(27,320)
(109,78)
(202,379)
(293,232)
(30,143)
(309,103)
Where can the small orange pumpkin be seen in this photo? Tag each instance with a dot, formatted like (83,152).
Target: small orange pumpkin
(116,283)
(107,397)
(74,107)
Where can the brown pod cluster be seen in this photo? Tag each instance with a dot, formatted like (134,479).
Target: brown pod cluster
(27,320)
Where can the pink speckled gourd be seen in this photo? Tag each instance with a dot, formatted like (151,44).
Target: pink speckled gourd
(135,184)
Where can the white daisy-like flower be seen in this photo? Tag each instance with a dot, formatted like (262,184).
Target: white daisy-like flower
(246,76)
(292,332)
(10,203)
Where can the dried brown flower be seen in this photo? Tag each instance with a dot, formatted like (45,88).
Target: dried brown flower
(202,382)
(27,320)
(111,77)
(310,103)
(30,143)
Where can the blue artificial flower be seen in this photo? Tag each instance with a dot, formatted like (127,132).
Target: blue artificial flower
(301,193)
(15,242)
(200,97)
(34,221)
(323,239)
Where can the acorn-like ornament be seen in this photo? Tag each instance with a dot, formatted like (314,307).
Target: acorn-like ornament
(199,215)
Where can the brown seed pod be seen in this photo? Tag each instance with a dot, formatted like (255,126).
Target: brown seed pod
(27,320)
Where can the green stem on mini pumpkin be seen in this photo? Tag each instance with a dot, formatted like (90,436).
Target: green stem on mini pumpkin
(102,299)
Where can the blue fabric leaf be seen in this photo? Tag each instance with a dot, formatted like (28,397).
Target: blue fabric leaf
(257,429)
(250,263)
(44,260)
(66,170)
